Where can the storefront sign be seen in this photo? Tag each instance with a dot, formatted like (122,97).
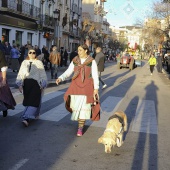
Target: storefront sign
(16,22)
(21,24)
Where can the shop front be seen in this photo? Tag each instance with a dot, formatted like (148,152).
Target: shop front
(18,31)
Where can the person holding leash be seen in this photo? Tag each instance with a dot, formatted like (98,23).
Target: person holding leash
(82,93)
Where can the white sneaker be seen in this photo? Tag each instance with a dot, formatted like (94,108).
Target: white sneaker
(151,74)
(104,86)
(25,123)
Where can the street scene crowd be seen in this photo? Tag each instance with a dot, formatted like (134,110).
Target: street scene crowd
(31,64)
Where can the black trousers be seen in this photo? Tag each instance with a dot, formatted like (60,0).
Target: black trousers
(100,79)
(151,68)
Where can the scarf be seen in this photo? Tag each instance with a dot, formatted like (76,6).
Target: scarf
(81,67)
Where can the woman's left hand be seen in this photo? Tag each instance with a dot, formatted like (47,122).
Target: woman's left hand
(96,96)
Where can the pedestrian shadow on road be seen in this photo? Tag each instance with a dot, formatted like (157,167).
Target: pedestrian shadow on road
(148,137)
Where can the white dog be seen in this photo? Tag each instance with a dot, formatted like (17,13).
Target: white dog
(113,134)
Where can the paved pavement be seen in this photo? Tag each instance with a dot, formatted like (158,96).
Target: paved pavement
(143,97)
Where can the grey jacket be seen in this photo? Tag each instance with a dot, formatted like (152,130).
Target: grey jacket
(100,59)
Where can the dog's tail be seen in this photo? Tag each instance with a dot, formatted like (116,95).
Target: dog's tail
(124,118)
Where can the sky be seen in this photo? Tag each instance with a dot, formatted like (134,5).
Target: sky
(125,12)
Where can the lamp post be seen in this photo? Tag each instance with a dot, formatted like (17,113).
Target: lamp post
(56,15)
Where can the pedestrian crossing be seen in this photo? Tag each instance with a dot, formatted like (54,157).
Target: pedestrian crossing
(145,119)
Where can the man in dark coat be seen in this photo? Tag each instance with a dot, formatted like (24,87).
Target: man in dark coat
(100,59)
(7,49)
(159,62)
(72,55)
(62,56)
(65,57)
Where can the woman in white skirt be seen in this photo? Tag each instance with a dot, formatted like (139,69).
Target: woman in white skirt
(83,89)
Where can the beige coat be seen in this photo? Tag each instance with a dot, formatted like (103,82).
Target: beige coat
(55,58)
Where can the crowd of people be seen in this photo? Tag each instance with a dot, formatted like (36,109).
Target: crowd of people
(82,102)
(31,64)
(160,60)
(15,55)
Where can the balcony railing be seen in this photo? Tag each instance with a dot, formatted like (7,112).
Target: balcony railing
(23,8)
(47,21)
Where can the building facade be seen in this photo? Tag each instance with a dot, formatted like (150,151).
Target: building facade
(97,25)
(18,22)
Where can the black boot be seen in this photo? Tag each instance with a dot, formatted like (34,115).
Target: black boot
(5,113)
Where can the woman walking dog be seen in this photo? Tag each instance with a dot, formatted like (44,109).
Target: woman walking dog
(83,90)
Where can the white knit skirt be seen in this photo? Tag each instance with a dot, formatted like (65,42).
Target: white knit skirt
(81,110)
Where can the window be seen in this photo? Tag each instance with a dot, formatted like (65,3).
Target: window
(18,38)
(5,35)
(29,38)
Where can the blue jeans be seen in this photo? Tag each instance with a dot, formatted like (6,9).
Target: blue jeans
(54,70)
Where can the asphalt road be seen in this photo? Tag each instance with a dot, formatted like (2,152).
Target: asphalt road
(50,143)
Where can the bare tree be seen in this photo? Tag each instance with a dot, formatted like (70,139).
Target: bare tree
(157,24)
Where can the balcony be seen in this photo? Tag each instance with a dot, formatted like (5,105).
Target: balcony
(47,21)
(74,32)
(19,9)
(75,8)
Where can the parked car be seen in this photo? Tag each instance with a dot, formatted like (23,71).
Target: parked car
(126,60)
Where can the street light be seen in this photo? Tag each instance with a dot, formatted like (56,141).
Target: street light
(56,17)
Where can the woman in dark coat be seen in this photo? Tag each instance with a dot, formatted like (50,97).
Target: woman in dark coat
(6,99)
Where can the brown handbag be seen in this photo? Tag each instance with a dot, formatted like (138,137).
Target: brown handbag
(95,115)
(67,104)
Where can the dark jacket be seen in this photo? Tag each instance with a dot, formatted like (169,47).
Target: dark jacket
(100,59)
(72,55)
(7,49)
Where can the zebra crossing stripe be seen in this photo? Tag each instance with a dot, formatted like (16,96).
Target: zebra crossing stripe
(55,114)
(51,95)
(108,107)
(15,92)
(145,117)
(19,107)
(144,121)
(19,164)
